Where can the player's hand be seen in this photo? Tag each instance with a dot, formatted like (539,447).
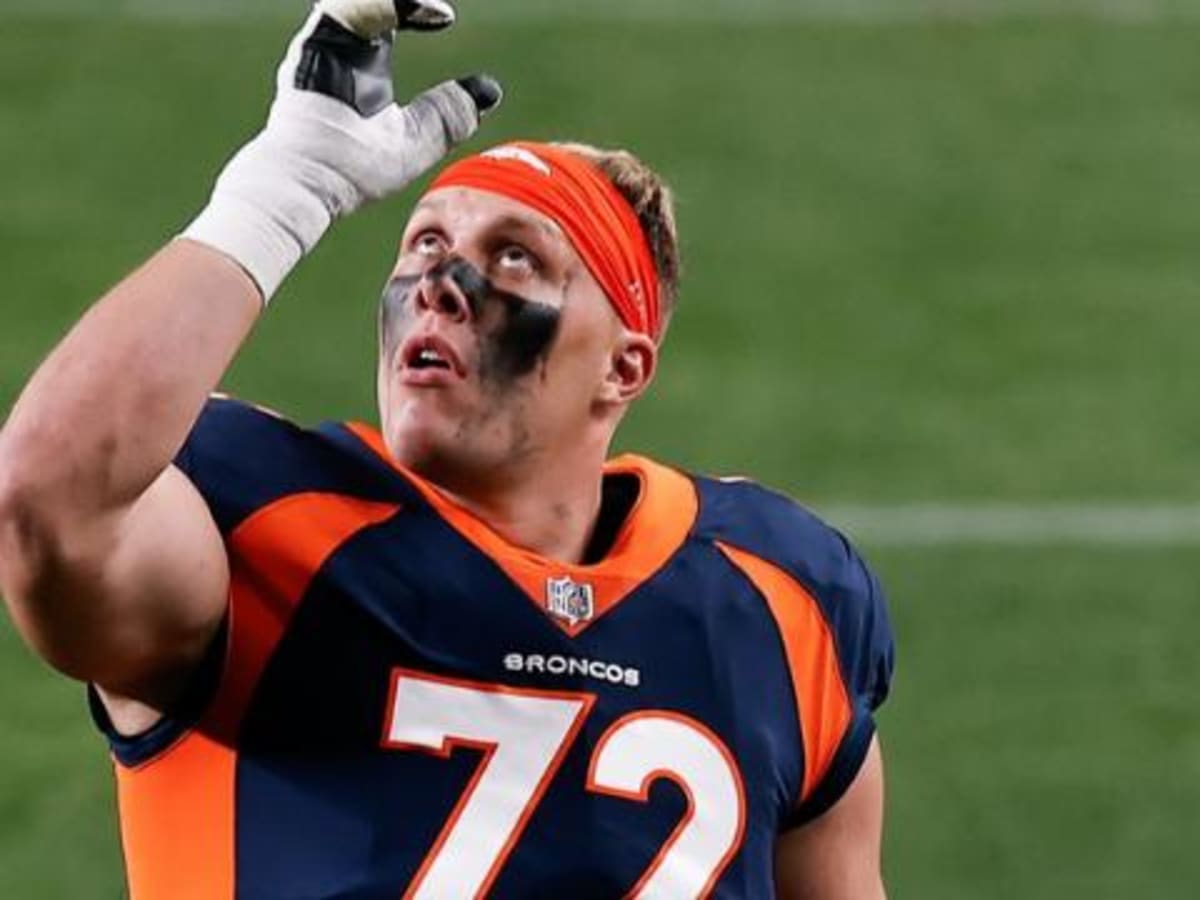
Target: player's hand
(335,138)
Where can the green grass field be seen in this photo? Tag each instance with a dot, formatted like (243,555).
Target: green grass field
(928,261)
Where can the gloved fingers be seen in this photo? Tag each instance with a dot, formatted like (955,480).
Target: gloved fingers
(424,15)
(344,49)
(373,18)
(485,90)
(366,18)
(341,64)
(443,116)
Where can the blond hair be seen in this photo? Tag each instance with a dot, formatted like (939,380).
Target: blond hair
(654,204)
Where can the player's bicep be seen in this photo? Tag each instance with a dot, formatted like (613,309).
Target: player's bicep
(171,574)
(837,855)
(139,598)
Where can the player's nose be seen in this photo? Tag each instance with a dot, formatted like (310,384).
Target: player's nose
(440,293)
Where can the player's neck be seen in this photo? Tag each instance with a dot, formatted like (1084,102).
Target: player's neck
(549,507)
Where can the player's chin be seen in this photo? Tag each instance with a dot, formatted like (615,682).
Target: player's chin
(421,428)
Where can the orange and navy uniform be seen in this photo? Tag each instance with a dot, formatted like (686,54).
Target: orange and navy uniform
(402,704)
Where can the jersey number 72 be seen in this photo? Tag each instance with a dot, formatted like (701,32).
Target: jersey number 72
(524,735)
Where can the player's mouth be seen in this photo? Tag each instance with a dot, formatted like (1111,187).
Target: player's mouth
(430,361)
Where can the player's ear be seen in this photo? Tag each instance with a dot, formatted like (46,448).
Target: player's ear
(631,366)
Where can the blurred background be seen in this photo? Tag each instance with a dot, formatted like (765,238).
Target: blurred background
(942,286)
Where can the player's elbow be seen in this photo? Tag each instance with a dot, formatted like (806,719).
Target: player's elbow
(26,521)
(21,532)
(44,602)
(36,473)
(43,570)
(43,510)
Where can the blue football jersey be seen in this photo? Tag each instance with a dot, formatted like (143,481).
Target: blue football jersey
(403,704)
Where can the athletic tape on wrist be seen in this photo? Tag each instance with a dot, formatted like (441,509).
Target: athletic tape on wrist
(266,250)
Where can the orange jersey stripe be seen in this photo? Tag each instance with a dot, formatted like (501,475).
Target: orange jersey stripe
(178,810)
(275,554)
(822,702)
(177,823)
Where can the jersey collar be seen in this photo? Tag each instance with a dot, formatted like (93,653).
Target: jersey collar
(575,596)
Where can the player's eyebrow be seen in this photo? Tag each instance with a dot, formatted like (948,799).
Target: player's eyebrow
(521,223)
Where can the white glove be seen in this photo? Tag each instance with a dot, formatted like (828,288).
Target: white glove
(335,140)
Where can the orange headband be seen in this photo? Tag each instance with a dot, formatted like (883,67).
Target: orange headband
(597,220)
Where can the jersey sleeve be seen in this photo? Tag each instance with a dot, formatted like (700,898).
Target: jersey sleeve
(855,608)
(135,750)
(831,616)
(242,459)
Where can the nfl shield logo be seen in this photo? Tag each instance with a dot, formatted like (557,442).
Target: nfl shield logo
(569,600)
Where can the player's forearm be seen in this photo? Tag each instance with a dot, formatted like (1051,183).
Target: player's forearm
(107,411)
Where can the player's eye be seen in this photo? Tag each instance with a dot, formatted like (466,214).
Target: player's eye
(428,243)
(516,260)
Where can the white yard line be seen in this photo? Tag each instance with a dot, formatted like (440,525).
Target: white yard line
(953,524)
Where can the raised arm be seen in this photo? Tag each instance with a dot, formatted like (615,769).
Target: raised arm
(110,563)
(111,567)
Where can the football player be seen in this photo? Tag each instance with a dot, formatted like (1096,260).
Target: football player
(467,654)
